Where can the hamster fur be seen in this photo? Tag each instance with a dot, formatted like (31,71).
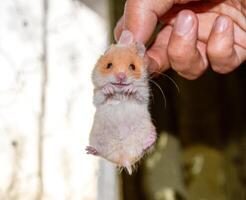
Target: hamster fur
(122,130)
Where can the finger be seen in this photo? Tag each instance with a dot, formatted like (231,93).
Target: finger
(186,55)
(118,28)
(158,51)
(232,9)
(206,21)
(141,16)
(224,56)
(139,19)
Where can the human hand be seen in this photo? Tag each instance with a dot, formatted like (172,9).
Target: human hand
(208,32)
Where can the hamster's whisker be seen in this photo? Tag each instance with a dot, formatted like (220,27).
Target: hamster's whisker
(152,96)
(170,78)
(159,87)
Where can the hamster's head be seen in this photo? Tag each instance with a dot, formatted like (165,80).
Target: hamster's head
(121,65)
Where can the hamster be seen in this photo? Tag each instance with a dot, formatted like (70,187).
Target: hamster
(122,130)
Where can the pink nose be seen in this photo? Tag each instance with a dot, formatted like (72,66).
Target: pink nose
(121,76)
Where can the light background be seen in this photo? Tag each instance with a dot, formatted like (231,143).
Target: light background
(46,111)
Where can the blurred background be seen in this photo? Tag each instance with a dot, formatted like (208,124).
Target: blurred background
(47,51)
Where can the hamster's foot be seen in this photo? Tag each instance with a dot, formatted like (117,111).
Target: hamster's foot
(150,141)
(108,90)
(128,167)
(91,150)
(130,89)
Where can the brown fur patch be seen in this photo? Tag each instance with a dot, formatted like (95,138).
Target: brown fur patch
(121,58)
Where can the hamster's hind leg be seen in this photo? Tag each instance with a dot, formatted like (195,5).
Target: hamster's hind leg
(91,150)
(149,141)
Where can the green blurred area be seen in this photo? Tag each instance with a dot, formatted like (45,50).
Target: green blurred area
(200,154)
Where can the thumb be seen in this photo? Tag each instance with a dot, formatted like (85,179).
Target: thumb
(141,16)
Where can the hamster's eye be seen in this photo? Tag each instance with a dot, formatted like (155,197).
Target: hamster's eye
(109,65)
(132,67)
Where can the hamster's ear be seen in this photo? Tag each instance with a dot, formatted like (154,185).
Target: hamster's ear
(109,48)
(126,38)
(140,49)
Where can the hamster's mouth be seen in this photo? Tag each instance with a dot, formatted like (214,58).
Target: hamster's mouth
(120,85)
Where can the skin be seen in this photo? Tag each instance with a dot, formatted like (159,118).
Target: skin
(196,34)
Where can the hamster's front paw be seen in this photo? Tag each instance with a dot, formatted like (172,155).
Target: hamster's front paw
(108,90)
(149,141)
(130,89)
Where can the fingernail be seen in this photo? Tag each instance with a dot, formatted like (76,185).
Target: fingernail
(183,24)
(221,24)
(126,37)
(125,33)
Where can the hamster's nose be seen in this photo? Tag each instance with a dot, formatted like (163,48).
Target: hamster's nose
(121,76)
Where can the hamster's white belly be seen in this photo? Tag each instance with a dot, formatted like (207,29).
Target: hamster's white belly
(124,127)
